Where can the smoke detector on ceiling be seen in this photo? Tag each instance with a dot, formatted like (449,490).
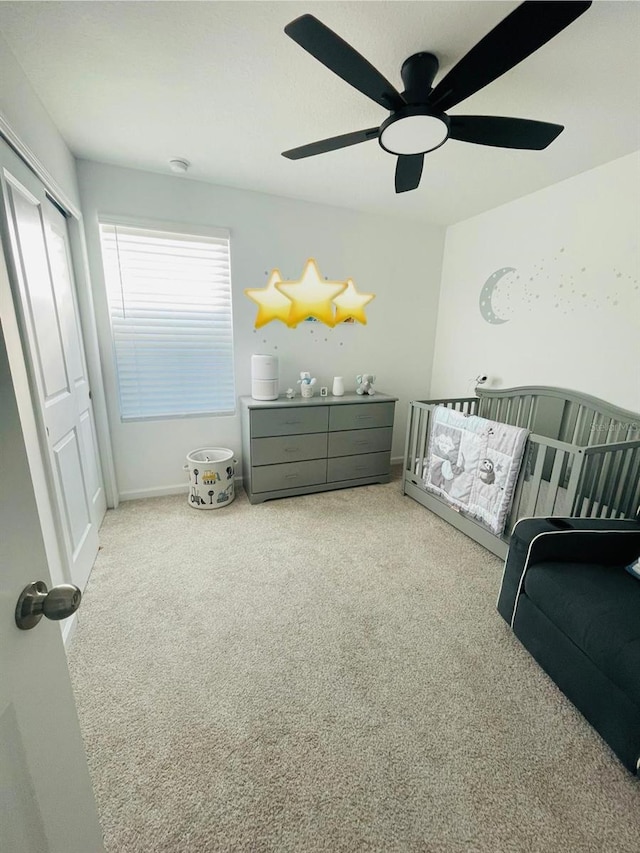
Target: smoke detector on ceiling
(179,165)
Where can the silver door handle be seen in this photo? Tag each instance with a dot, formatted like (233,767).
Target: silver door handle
(37,601)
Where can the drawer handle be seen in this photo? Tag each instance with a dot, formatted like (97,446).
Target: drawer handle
(362,442)
(290,476)
(363,417)
(291,423)
(291,449)
(361,467)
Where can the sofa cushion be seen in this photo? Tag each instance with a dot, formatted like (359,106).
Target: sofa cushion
(598,608)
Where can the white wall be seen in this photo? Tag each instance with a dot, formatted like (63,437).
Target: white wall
(398,261)
(23,111)
(570,294)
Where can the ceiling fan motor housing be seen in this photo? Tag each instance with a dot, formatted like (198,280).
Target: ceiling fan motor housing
(418,73)
(415,128)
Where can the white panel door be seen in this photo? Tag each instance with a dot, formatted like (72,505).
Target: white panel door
(46,800)
(59,251)
(42,284)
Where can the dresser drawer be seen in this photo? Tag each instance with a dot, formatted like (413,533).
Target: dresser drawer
(288,448)
(361,415)
(269,478)
(353,467)
(288,421)
(350,442)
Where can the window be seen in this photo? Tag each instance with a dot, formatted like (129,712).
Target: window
(169,297)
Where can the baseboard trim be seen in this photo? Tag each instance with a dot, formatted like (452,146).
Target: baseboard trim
(158,492)
(183,488)
(162,491)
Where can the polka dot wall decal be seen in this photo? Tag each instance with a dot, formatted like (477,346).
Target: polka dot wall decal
(564,285)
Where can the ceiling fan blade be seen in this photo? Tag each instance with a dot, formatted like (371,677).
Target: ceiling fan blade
(504,132)
(339,57)
(408,172)
(527,28)
(332,144)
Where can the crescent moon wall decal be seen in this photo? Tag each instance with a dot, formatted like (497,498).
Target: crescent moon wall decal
(486,295)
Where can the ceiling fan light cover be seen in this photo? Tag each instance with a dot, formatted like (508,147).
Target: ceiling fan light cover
(413,134)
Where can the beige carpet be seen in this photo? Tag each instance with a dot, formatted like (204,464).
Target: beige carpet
(325,673)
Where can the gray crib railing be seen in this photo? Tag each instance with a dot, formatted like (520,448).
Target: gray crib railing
(575,463)
(610,486)
(418,423)
(556,413)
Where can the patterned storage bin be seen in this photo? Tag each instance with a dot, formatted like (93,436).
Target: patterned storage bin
(211,477)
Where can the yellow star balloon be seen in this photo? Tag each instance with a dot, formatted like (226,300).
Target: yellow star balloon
(272,305)
(350,303)
(311,295)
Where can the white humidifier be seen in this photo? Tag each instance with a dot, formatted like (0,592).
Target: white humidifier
(264,377)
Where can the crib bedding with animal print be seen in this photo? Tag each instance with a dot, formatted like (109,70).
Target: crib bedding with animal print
(472,463)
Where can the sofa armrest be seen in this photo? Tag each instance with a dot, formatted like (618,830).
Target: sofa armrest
(606,541)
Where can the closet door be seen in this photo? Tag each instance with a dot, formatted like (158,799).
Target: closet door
(57,236)
(37,250)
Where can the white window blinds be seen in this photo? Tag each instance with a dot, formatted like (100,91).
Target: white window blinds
(170,305)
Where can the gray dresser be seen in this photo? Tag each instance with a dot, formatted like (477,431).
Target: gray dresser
(293,447)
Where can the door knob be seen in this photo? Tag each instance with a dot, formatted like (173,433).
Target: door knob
(37,601)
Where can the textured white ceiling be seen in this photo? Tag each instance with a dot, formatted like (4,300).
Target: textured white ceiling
(136,83)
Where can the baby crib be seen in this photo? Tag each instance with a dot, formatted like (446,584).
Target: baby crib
(582,457)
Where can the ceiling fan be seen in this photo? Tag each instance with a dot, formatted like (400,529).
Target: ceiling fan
(418,122)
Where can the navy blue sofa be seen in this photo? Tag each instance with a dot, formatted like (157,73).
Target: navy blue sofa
(567,597)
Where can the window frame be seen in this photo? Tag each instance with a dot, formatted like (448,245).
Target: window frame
(185,230)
